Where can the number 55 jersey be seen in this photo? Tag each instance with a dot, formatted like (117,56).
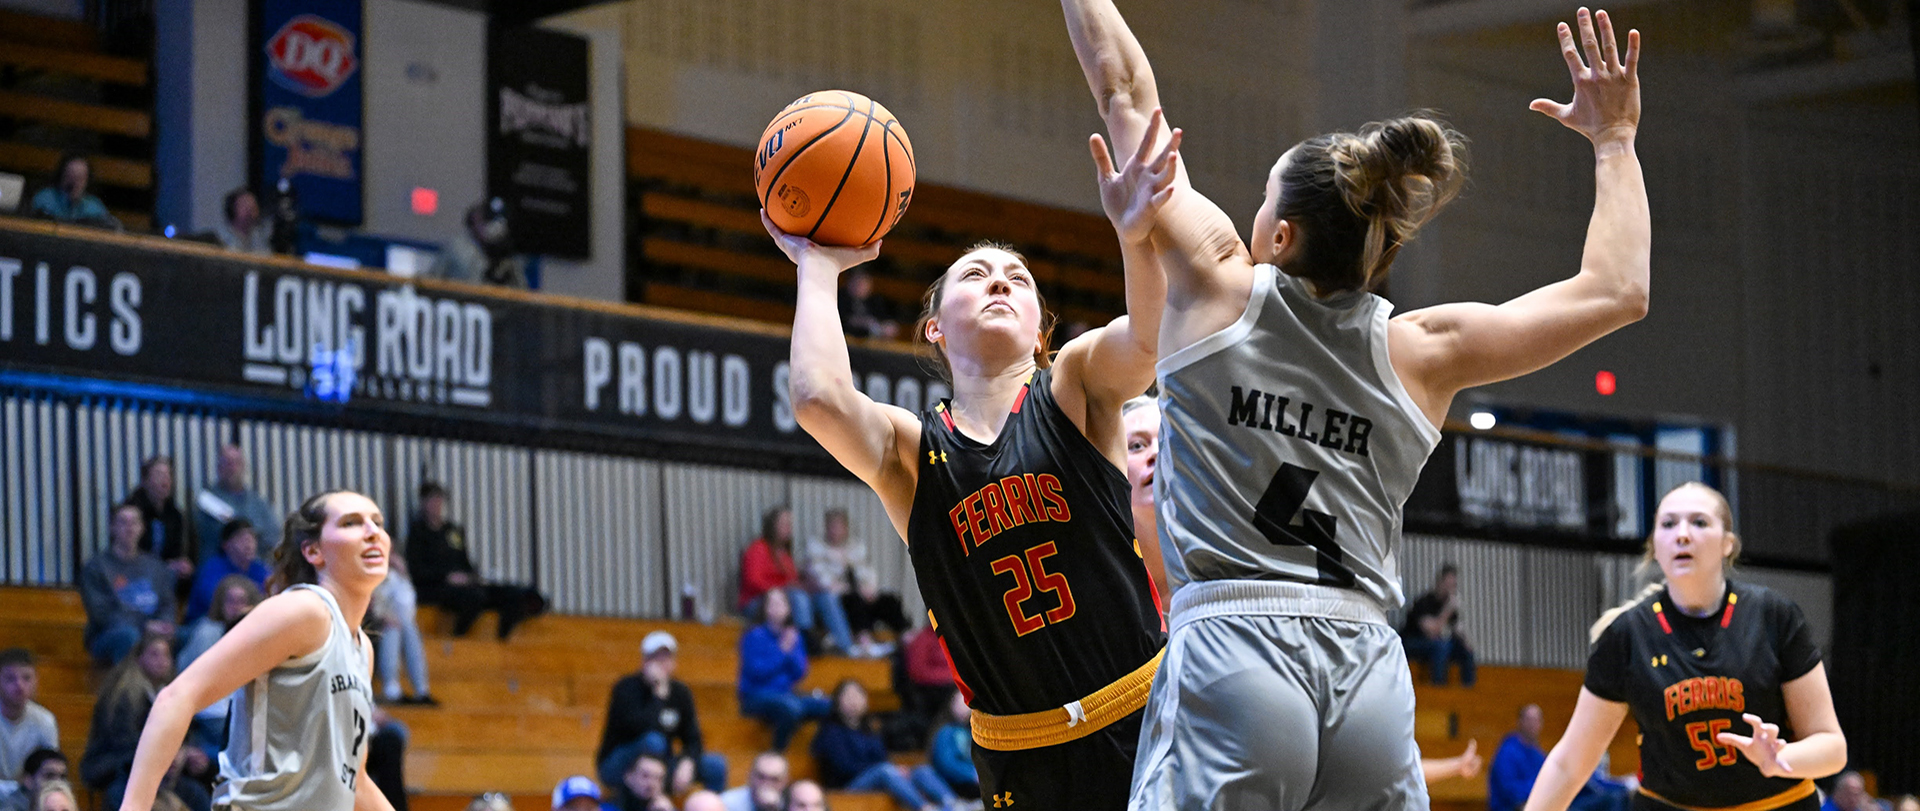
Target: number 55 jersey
(1288,446)
(1025,553)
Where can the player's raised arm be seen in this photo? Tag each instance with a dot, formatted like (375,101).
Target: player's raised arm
(864,436)
(1457,346)
(1114,363)
(1200,252)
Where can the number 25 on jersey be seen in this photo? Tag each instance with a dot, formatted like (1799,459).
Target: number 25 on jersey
(1029,572)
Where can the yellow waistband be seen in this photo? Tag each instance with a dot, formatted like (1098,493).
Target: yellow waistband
(1032,730)
(1787,797)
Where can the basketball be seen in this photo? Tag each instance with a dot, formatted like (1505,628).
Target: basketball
(835,167)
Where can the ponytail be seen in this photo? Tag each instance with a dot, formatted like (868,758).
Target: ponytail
(1608,616)
(290,566)
(1361,197)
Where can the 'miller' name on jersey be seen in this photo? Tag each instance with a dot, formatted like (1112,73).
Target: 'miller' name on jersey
(1705,693)
(1268,412)
(1010,502)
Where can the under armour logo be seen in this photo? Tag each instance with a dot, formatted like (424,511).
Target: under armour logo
(936,457)
(1659,660)
(1003,800)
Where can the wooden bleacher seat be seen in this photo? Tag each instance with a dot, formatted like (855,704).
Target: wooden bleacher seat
(700,230)
(79,115)
(518,716)
(102,67)
(38,162)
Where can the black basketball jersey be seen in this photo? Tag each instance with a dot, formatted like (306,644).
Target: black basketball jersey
(1025,554)
(1688,679)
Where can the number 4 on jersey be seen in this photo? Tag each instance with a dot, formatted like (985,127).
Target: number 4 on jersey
(1286,496)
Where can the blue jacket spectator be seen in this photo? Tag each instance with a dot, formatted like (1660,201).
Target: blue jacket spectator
(67,199)
(239,546)
(772,661)
(1517,764)
(127,592)
(852,757)
(952,751)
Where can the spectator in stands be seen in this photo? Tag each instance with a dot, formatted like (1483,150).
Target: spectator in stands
(387,756)
(1906,802)
(445,575)
(576,793)
(490,801)
(804,795)
(482,253)
(164,528)
(127,592)
(951,754)
(25,726)
(703,800)
(56,795)
(645,786)
(864,313)
(68,199)
(242,228)
(235,595)
(228,601)
(837,570)
(227,497)
(652,713)
(766,785)
(396,607)
(1850,794)
(238,555)
(1517,763)
(42,766)
(118,718)
(1432,633)
(767,565)
(772,662)
(852,757)
(924,676)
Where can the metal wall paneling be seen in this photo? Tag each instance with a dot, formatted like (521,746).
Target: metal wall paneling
(599,525)
(287,464)
(1563,597)
(867,522)
(35,491)
(711,515)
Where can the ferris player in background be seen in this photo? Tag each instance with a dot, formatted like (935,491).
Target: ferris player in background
(1013,501)
(1698,660)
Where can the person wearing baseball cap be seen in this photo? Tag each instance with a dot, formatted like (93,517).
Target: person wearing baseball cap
(652,713)
(576,793)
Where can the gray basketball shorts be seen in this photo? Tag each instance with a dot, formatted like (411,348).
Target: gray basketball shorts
(1278,696)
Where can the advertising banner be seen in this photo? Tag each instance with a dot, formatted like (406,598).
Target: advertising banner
(540,138)
(204,320)
(308,126)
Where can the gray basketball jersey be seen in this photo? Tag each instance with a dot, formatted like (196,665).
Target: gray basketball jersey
(1287,445)
(295,735)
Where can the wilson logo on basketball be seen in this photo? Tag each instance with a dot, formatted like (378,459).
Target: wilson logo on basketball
(311,56)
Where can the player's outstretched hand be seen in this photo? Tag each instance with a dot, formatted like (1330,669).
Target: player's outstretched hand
(1606,88)
(1763,747)
(1135,191)
(1467,765)
(802,250)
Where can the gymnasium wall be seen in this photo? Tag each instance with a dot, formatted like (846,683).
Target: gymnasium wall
(1783,239)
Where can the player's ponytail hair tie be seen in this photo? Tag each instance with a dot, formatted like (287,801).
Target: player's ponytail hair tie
(1360,197)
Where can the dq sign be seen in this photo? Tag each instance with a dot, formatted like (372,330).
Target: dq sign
(311,55)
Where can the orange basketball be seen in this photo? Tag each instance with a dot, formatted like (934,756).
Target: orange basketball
(835,167)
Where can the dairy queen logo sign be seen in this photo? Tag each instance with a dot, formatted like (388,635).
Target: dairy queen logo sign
(311,56)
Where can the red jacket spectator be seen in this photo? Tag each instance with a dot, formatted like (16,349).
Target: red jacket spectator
(768,561)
